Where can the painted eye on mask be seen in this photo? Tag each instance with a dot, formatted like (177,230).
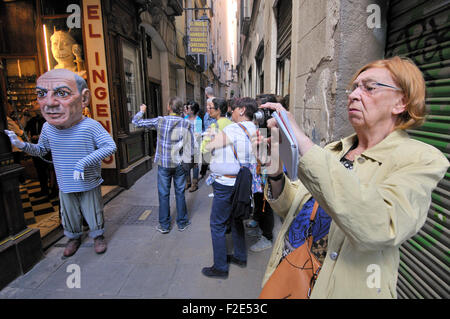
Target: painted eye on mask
(41,94)
(62,93)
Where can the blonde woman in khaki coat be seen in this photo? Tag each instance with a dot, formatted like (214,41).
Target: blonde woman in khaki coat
(379,203)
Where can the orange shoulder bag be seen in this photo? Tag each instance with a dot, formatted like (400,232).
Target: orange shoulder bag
(296,275)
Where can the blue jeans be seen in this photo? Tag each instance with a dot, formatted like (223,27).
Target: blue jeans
(195,172)
(220,214)
(164,182)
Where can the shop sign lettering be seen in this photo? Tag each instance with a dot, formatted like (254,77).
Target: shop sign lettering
(98,73)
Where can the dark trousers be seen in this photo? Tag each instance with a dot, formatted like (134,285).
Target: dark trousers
(220,214)
(204,169)
(264,218)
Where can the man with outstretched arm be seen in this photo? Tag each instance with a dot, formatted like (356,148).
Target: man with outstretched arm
(78,145)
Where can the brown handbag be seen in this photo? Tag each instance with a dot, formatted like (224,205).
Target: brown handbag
(296,275)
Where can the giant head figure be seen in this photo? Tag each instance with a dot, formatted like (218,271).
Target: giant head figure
(62,95)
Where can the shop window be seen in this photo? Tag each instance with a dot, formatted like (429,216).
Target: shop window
(131,69)
(280,77)
(21,87)
(63,46)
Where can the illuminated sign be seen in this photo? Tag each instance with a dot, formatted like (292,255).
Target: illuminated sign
(198,37)
(98,73)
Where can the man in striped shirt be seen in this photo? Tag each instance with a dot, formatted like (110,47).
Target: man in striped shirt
(78,145)
(175,145)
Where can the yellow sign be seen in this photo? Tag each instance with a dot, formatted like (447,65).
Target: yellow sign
(198,37)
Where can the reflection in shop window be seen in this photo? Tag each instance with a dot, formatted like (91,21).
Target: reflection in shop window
(132,82)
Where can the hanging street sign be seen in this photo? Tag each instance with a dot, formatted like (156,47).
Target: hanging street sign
(198,37)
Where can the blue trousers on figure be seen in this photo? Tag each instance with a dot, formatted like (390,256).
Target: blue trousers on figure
(220,213)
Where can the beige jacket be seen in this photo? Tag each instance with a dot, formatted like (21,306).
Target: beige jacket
(375,207)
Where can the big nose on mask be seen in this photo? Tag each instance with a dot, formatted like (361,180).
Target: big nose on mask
(52,109)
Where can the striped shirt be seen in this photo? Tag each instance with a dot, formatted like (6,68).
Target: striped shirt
(81,147)
(174,134)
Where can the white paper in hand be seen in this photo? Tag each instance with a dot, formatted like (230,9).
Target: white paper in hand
(288,145)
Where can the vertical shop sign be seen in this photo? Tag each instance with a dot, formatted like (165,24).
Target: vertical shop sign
(96,64)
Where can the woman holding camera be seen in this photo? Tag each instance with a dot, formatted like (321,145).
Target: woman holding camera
(375,184)
(231,149)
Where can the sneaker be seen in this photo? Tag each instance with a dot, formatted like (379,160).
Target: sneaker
(214,273)
(162,230)
(251,223)
(233,260)
(72,247)
(254,232)
(262,244)
(99,244)
(182,228)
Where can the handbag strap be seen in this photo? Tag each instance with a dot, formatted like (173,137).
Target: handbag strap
(309,236)
(232,144)
(314,211)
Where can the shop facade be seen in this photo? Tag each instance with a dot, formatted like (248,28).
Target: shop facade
(104,42)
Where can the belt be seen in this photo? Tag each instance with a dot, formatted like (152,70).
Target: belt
(230,176)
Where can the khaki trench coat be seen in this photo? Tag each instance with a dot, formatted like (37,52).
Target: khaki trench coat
(375,207)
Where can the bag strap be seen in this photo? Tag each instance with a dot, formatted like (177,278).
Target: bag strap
(232,144)
(309,235)
(245,130)
(314,211)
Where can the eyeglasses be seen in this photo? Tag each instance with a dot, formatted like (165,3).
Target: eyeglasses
(369,88)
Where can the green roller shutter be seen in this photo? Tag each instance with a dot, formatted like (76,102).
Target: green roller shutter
(420,30)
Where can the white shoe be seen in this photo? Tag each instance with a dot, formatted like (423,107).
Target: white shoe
(262,244)
(211,195)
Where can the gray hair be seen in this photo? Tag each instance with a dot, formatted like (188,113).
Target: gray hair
(209,91)
(176,105)
(81,83)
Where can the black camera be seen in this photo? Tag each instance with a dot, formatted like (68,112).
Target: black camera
(262,116)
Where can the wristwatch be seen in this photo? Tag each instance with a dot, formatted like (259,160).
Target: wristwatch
(276,178)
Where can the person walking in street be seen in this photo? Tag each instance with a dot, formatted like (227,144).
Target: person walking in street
(263,217)
(217,110)
(207,121)
(175,144)
(231,150)
(191,111)
(78,145)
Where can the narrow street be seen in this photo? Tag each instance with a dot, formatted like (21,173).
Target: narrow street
(141,262)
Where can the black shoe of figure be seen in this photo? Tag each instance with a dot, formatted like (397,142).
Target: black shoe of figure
(214,273)
(233,260)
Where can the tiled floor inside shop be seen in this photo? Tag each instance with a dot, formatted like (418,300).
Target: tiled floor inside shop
(40,211)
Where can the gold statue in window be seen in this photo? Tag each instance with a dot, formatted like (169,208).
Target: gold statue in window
(67,53)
